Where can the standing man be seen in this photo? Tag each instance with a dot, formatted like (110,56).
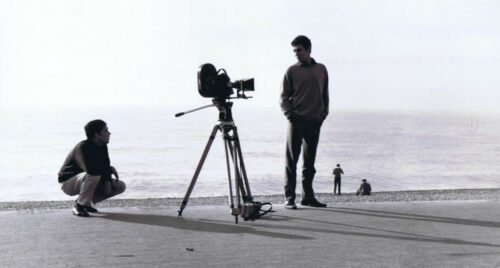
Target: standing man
(304,101)
(336,182)
(86,172)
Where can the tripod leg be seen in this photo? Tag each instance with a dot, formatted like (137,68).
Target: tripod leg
(242,165)
(229,174)
(236,179)
(198,169)
(238,174)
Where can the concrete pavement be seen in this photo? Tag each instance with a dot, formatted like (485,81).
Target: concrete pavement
(388,234)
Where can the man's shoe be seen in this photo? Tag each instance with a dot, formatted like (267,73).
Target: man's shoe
(78,210)
(312,203)
(290,205)
(90,209)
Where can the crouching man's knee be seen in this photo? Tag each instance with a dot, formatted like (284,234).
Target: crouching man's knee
(119,187)
(108,190)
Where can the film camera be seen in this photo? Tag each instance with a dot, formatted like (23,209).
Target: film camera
(213,83)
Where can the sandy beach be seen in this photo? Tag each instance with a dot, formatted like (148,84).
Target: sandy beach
(396,196)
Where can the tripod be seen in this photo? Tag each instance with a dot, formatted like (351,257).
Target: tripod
(231,148)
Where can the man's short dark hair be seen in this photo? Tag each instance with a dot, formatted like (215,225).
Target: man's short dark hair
(302,40)
(94,127)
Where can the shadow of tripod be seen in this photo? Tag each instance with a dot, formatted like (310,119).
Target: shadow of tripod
(232,148)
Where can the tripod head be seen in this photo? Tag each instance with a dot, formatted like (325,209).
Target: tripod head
(223,105)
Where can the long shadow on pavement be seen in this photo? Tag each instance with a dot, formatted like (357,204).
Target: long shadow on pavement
(194,225)
(392,234)
(408,216)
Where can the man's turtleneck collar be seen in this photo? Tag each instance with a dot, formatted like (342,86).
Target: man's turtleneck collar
(304,64)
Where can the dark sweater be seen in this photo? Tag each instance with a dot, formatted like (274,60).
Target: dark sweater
(364,189)
(87,157)
(337,172)
(305,92)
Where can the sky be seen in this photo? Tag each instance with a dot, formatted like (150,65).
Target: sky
(389,55)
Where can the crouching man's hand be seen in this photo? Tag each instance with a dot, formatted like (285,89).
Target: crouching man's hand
(114,172)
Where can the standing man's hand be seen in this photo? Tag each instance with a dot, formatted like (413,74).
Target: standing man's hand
(114,172)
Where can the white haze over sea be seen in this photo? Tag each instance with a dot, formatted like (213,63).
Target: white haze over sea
(156,154)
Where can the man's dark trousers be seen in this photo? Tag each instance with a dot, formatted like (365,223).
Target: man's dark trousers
(298,131)
(336,182)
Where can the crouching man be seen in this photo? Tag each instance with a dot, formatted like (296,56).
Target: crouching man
(86,172)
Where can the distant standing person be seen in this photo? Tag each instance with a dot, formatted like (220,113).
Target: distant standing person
(86,172)
(337,180)
(364,189)
(304,101)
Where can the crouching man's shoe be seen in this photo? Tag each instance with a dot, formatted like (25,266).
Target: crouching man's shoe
(78,210)
(90,209)
(312,203)
(290,205)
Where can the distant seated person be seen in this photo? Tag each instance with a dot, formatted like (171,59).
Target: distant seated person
(87,172)
(364,188)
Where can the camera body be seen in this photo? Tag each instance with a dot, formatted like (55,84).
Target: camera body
(213,83)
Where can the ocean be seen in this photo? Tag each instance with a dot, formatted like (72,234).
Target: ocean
(156,154)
